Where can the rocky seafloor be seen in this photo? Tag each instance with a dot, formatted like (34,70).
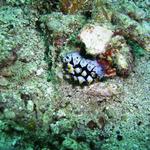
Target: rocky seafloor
(39,110)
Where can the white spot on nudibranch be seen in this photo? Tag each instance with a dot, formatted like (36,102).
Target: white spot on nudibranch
(83,62)
(81,79)
(93,74)
(89,79)
(84,73)
(76,58)
(67,58)
(75,78)
(90,66)
(78,70)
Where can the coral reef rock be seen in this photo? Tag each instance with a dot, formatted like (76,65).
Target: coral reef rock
(123,58)
(104,89)
(95,38)
(70,7)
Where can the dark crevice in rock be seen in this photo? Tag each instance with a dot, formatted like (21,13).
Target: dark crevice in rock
(12,58)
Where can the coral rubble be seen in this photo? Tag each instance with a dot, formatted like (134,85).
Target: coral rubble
(95,39)
(40,110)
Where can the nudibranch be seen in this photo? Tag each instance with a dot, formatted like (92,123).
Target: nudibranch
(81,70)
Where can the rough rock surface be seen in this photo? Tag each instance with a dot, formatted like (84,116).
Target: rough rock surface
(95,38)
(40,111)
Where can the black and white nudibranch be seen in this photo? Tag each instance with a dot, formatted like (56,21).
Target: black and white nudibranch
(81,70)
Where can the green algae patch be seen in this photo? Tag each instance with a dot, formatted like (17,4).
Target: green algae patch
(10,19)
(12,16)
(22,48)
(72,144)
(20,2)
(6,47)
(11,22)
(137,50)
(59,23)
(37,114)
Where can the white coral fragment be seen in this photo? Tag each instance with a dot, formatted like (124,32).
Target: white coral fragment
(95,38)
